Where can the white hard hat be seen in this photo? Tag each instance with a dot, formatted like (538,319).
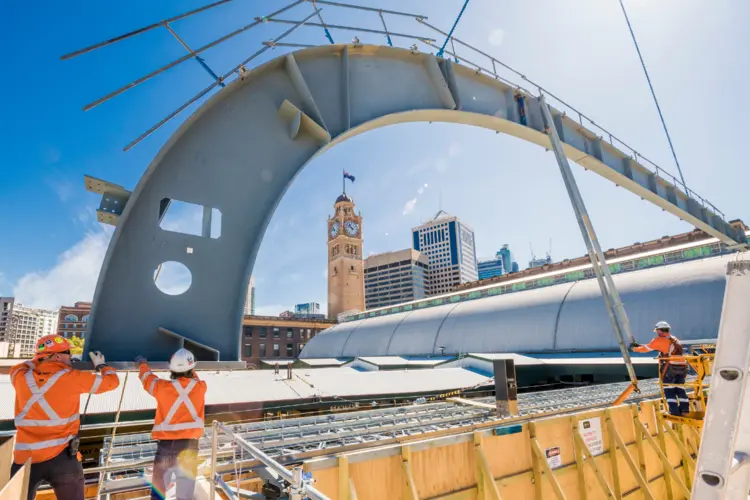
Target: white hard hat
(662,325)
(182,361)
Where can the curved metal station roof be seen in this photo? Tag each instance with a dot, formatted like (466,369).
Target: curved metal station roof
(563,317)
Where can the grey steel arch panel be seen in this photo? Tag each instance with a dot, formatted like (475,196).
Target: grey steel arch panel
(689,296)
(329,340)
(240,151)
(517,322)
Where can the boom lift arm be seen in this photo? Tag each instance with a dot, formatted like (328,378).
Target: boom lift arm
(615,308)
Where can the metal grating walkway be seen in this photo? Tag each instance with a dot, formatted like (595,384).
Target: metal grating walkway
(296,435)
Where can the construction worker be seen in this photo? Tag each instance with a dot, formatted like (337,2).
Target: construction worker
(178,424)
(48,400)
(673,367)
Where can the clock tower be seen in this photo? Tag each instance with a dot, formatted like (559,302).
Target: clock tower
(346,281)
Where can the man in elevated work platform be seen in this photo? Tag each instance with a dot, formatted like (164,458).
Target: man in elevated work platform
(48,400)
(672,367)
(180,404)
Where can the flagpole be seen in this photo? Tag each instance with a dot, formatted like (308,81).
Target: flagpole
(343,181)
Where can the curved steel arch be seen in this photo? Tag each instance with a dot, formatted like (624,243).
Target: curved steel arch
(241,150)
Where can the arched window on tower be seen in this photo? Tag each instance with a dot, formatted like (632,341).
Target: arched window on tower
(71,317)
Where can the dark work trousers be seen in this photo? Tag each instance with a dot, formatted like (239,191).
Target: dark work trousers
(178,457)
(64,473)
(677,398)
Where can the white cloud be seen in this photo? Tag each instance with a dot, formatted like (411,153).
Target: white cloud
(409,206)
(454,149)
(496,37)
(73,278)
(63,188)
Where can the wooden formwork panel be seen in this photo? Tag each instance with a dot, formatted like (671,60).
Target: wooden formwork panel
(465,466)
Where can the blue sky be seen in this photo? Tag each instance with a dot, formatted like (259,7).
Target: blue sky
(507,190)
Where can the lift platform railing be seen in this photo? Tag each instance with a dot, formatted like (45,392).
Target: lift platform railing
(701,362)
(298,487)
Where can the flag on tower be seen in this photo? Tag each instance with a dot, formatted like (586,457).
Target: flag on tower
(349,176)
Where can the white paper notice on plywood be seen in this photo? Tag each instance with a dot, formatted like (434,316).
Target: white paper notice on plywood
(591,432)
(554,457)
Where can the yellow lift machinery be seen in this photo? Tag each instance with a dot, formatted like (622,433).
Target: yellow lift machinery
(701,361)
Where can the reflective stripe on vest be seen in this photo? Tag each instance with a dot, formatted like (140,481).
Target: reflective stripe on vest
(96,384)
(674,344)
(182,398)
(37,396)
(40,445)
(30,364)
(145,376)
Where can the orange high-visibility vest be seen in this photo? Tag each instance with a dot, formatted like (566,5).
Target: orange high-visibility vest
(667,347)
(180,405)
(48,399)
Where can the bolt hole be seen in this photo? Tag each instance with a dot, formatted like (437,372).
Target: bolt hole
(712,479)
(730,374)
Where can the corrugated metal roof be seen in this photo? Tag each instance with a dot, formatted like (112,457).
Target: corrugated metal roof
(562,317)
(263,385)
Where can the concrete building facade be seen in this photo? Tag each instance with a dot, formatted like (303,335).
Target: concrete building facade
(29,325)
(273,338)
(6,314)
(73,320)
(346,290)
(395,277)
(449,246)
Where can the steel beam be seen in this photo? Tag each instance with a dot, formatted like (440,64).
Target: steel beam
(237,140)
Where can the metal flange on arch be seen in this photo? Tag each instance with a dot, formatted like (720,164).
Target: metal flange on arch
(240,151)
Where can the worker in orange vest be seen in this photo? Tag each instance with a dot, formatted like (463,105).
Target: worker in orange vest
(178,425)
(48,400)
(672,366)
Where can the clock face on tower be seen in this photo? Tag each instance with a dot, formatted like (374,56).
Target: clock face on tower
(335,229)
(352,228)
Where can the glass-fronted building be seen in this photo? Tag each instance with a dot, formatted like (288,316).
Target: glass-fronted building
(491,267)
(449,246)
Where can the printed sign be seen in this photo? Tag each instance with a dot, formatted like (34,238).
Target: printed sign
(554,458)
(591,432)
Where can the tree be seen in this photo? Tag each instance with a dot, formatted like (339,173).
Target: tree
(76,345)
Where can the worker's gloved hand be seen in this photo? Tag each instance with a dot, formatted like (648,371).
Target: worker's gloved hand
(139,359)
(634,345)
(98,359)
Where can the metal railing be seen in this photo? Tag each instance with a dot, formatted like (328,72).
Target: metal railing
(658,171)
(297,486)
